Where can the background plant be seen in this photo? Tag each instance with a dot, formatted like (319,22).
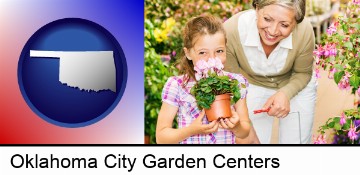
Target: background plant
(339,54)
(156,74)
(164,20)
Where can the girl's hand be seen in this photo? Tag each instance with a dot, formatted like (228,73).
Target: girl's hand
(280,105)
(197,127)
(230,123)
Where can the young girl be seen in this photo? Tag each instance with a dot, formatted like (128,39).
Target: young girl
(204,38)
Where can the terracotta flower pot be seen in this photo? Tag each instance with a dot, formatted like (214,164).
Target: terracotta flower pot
(220,108)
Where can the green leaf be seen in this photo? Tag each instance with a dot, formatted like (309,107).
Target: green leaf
(331,124)
(346,126)
(325,127)
(357,26)
(349,45)
(337,126)
(354,81)
(338,76)
(339,67)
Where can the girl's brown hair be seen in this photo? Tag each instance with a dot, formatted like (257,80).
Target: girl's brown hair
(196,27)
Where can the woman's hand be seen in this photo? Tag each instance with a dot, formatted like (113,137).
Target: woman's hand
(279,104)
(197,127)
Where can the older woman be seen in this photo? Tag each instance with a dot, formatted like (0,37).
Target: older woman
(272,46)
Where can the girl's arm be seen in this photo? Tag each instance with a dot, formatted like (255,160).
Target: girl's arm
(166,134)
(242,130)
(239,123)
(251,139)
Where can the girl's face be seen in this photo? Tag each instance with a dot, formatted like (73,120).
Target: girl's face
(207,46)
(274,23)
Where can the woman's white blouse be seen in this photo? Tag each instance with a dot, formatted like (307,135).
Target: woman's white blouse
(250,41)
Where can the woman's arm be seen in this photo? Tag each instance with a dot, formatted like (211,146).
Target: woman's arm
(301,72)
(166,134)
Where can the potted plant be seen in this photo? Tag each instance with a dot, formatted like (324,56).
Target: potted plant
(339,54)
(214,91)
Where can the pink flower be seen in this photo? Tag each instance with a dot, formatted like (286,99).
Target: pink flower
(351,31)
(356,2)
(201,69)
(352,133)
(218,64)
(317,73)
(331,73)
(342,119)
(320,139)
(317,60)
(206,7)
(331,30)
(344,82)
(211,63)
(165,57)
(198,76)
(330,50)
(319,51)
(358,91)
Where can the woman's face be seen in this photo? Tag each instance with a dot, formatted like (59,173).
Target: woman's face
(274,23)
(207,46)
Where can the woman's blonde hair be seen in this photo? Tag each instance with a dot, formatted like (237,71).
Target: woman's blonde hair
(297,5)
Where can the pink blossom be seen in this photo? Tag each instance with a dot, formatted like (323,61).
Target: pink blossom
(342,119)
(330,50)
(211,63)
(198,76)
(344,82)
(218,64)
(356,2)
(206,7)
(319,51)
(358,91)
(331,73)
(201,65)
(317,73)
(352,133)
(165,57)
(351,31)
(320,139)
(331,30)
(201,69)
(317,60)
